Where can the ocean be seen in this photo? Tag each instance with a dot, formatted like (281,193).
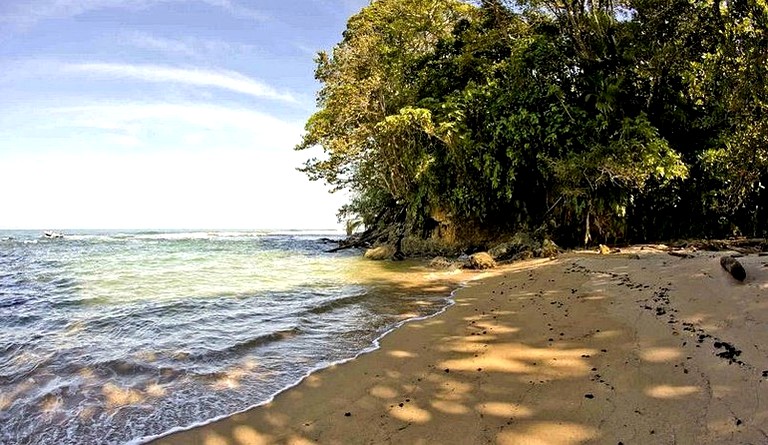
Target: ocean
(113,336)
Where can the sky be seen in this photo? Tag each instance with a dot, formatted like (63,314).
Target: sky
(139,114)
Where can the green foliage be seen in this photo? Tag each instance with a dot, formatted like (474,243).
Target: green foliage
(620,120)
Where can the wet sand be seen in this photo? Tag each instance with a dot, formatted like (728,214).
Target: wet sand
(633,348)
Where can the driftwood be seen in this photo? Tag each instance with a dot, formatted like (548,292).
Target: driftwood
(680,254)
(742,245)
(734,267)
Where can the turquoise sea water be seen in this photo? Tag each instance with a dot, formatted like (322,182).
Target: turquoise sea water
(106,337)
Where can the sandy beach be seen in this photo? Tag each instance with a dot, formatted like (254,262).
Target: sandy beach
(638,347)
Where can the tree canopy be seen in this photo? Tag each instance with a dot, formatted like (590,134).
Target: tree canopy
(580,119)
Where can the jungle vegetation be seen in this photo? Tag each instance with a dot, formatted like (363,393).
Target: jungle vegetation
(580,120)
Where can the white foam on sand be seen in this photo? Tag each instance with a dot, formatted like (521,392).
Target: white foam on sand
(375,345)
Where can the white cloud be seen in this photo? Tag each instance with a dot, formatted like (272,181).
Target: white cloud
(237,9)
(178,124)
(213,189)
(193,47)
(150,42)
(25,15)
(224,79)
(160,165)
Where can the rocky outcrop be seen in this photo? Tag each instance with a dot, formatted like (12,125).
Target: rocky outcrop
(440,262)
(523,246)
(380,253)
(520,242)
(481,261)
(522,256)
(549,249)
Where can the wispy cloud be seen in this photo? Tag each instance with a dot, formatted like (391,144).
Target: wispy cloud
(223,79)
(191,47)
(185,123)
(154,43)
(237,9)
(28,14)
(350,6)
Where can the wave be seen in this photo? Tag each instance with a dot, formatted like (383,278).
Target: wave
(238,348)
(331,233)
(167,236)
(190,235)
(16,366)
(376,344)
(12,300)
(126,367)
(336,303)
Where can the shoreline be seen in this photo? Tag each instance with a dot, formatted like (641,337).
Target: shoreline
(569,355)
(455,280)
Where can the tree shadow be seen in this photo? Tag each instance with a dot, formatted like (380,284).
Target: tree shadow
(548,352)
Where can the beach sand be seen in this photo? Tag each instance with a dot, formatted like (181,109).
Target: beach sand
(639,348)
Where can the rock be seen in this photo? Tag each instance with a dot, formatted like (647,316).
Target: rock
(733,267)
(481,260)
(603,249)
(549,248)
(439,262)
(522,256)
(380,253)
(520,242)
(503,251)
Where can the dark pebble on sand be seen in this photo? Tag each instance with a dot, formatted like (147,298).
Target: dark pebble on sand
(447,370)
(347,414)
(589,396)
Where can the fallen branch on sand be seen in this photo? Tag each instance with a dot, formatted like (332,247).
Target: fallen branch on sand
(680,254)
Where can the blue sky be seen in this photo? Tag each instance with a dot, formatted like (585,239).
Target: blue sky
(161,113)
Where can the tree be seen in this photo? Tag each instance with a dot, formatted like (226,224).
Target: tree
(378,144)
(585,119)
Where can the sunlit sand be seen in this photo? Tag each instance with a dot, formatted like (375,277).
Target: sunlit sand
(583,349)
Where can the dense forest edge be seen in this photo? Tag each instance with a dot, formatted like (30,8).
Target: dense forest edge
(454,125)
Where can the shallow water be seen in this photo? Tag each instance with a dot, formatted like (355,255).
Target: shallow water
(110,336)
